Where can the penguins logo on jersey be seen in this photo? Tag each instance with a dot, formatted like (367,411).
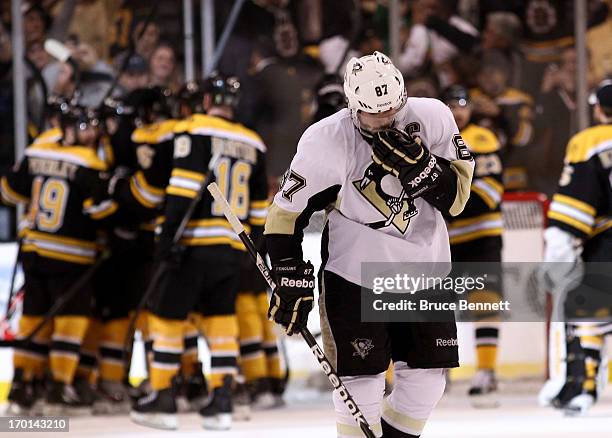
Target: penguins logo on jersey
(362,347)
(397,210)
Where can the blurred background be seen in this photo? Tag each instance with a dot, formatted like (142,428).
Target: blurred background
(530,64)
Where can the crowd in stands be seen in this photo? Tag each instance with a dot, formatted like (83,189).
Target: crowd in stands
(516,56)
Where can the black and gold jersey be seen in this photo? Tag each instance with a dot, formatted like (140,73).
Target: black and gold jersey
(152,147)
(582,204)
(59,185)
(238,169)
(481,216)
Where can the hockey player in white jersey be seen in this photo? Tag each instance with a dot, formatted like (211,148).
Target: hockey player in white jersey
(385,170)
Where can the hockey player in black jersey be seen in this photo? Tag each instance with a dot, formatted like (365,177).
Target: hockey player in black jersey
(59,182)
(475,236)
(385,170)
(140,154)
(202,277)
(578,244)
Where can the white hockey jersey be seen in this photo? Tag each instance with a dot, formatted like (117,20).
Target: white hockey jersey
(369,217)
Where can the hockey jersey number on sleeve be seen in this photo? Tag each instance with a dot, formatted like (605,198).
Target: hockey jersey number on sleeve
(291,183)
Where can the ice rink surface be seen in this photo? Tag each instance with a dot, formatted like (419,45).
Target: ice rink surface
(310,415)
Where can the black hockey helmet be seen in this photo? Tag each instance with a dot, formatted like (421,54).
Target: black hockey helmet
(190,96)
(224,90)
(456,93)
(603,95)
(330,97)
(149,104)
(330,92)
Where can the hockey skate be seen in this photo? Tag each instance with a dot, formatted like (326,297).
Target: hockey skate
(112,398)
(23,396)
(573,400)
(241,399)
(483,391)
(64,399)
(194,392)
(158,410)
(262,396)
(217,415)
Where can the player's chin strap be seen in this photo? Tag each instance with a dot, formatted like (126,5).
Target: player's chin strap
(328,369)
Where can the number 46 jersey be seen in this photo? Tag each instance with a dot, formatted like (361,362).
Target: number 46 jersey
(370,219)
(238,169)
(59,185)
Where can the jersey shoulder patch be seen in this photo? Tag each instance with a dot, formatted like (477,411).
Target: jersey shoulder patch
(588,143)
(480,140)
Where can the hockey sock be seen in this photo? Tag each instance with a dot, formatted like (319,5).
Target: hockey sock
(367,392)
(111,349)
(221,333)
(68,334)
(189,358)
(32,359)
(415,394)
(167,337)
(270,339)
(487,339)
(88,356)
(252,357)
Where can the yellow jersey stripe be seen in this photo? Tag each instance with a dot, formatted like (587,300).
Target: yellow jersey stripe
(189,174)
(208,241)
(462,238)
(105,212)
(491,203)
(573,202)
(570,221)
(140,178)
(60,239)
(499,187)
(257,222)
(11,195)
(256,205)
(138,196)
(179,191)
(57,255)
(484,217)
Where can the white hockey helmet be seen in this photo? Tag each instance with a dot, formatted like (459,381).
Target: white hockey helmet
(372,84)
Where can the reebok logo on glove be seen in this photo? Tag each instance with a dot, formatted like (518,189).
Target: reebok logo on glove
(289,282)
(424,174)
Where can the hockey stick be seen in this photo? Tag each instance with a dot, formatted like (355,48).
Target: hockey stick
(128,344)
(328,369)
(61,303)
(11,291)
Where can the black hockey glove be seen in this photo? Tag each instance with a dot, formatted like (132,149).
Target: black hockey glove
(292,300)
(404,156)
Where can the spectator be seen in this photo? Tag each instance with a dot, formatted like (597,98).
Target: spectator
(135,75)
(96,76)
(556,122)
(149,41)
(548,31)
(162,67)
(425,47)
(508,112)
(600,51)
(39,60)
(36,22)
(91,20)
(503,32)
